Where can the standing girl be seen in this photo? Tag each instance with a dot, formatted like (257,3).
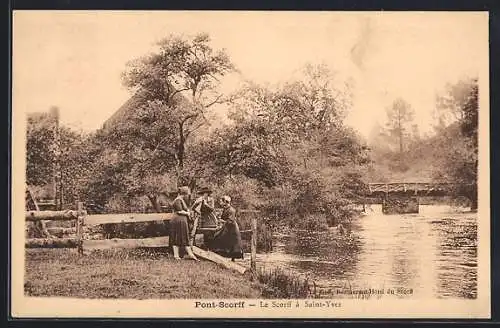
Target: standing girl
(179,230)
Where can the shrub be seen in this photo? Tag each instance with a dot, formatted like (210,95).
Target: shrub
(306,201)
(338,209)
(281,284)
(313,222)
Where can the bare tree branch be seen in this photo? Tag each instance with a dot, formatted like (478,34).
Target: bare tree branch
(214,102)
(193,52)
(213,77)
(181,123)
(171,96)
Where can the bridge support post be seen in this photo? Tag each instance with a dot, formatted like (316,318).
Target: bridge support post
(400,204)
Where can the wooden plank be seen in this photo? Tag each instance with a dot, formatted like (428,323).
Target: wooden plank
(125,243)
(51,215)
(79,226)
(96,219)
(51,243)
(216,258)
(253,247)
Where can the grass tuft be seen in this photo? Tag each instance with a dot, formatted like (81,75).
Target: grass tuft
(281,284)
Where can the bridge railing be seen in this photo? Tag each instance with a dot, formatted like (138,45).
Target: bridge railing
(410,187)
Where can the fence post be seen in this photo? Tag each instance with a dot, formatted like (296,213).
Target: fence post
(79,227)
(253,247)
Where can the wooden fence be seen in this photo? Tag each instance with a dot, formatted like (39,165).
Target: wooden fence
(82,219)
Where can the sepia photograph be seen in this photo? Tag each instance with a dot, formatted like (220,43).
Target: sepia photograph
(239,164)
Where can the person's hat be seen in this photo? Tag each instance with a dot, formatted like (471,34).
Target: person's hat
(205,190)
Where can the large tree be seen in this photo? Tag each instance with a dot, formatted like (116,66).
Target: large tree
(400,115)
(180,83)
(301,114)
(174,87)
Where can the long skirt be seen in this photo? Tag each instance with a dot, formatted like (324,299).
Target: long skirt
(227,241)
(208,220)
(179,231)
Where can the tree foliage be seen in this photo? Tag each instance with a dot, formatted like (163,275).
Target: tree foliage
(179,83)
(399,118)
(285,149)
(247,148)
(392,145)
(450,154)
(73,151)
(145,153)
(457,143)
(40,149)
(292,141)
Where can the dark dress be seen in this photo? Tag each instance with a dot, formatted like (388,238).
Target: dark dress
(227,240)
(179,230)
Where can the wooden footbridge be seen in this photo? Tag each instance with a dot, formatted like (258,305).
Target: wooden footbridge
(412,188)
(403,197)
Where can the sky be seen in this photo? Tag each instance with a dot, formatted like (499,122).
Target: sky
(74,60)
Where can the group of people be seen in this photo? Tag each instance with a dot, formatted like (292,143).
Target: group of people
(225,239)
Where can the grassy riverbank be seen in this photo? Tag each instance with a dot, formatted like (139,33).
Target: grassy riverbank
(134,274)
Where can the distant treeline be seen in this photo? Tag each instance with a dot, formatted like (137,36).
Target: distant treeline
(284,150)
(448,154)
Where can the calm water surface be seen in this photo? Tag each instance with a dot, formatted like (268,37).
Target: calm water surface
(430,254)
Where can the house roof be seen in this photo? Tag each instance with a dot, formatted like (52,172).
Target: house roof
(135,102)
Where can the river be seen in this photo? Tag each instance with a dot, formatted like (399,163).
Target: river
(432,254)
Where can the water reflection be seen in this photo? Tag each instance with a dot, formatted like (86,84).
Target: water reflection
(432,254)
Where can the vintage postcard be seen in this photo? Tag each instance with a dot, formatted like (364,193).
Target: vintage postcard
(178,164)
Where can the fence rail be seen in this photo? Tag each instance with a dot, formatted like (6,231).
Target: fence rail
(51,243)
(97,219)
(83,219)
(51,215)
